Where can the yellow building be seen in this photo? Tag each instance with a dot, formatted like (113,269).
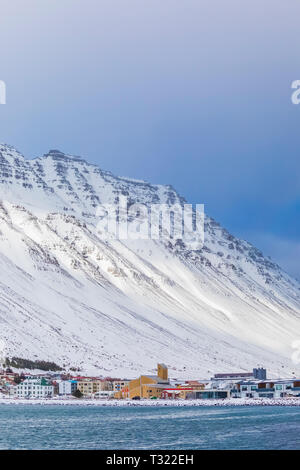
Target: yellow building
(150,386)
(90,387)
(162,371)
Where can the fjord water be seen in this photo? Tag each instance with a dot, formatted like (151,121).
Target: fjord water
(97,427)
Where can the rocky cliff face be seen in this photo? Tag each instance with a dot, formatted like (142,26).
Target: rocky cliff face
(119,306)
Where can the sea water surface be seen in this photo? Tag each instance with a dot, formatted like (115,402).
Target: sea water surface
(96,427)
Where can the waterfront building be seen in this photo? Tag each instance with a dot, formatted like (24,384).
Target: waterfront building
(207,394)
(277,388)
(176,393)
(104,394)
(34,387)
(67,387)
(90,386)
(287,388)
(150,386)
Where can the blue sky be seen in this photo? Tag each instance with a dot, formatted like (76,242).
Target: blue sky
(196,94)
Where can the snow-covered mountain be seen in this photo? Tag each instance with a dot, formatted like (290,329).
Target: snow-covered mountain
(116,307)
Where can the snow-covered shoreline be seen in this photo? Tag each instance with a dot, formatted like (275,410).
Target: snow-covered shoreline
(153,403)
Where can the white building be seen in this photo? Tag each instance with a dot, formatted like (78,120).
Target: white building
(67,387)
(278,388)
(34,387)
(288,387)
(247,389)
(104,394)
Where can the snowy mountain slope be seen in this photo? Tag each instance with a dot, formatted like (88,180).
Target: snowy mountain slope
(119,306)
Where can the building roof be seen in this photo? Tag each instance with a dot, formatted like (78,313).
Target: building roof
(233,375)
(196,382)
(178,389)
(279,381)
(248,382)
(157,378)
(156,385)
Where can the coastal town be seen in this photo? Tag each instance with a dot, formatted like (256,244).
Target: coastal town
(222,386)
